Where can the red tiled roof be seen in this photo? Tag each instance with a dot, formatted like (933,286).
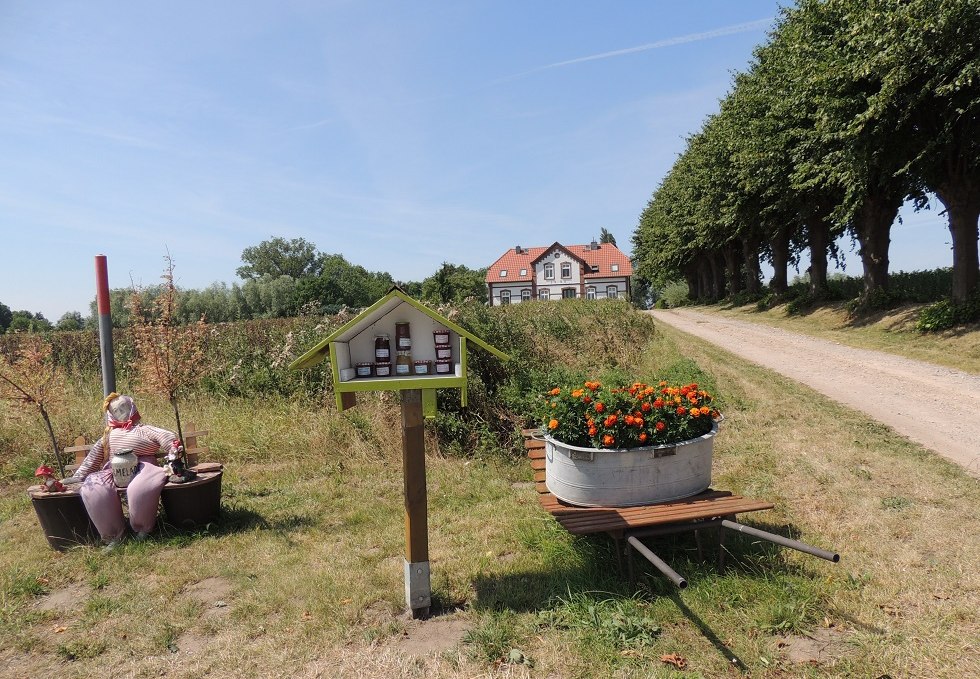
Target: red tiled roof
(607,255)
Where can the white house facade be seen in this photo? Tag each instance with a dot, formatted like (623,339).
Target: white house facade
(593,271)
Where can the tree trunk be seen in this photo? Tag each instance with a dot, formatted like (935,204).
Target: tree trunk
(705,273)
(750,258)
(780,260)
(717,277)
(691,277)
(963,207)
(180,433)
(54,442)
(819,235)
(873,225)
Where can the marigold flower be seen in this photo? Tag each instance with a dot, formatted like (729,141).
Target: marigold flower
(660,426)
(629,419)
(705,410)
(659,403)
(638,421)
(611,420)
(592,431)
(643,437)
(681,410)
(586,400)
(555,391)
(577,393)
(553,424)
(608,440)
(599,407)
(695,412)
(645,407)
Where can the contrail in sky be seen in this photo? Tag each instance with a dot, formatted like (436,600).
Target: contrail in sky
(680,40)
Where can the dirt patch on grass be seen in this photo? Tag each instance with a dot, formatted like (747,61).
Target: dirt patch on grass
(215,595)
(65,599)
(431,637)
(823,646)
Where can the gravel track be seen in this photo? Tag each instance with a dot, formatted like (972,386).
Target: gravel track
(934,406)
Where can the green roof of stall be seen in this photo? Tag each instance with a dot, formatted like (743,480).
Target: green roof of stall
(377,310)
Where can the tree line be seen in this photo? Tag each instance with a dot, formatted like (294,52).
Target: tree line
(280,279)
(850,109)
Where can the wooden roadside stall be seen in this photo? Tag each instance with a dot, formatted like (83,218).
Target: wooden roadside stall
(398,344)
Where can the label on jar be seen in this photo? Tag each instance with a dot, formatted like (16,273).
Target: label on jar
(441,336)
(363,369)
(403,369)
(442,366)
(382,369)
(444,352)
(382,353)
(422,368)
(404,343)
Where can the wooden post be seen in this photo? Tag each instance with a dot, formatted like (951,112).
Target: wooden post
(418,590)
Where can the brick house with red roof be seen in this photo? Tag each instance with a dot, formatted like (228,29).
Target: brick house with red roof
(593,271)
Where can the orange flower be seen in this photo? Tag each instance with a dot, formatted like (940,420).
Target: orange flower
(611,420)
(681,410)
(645,407)
(660,426)
(586,400)
(705,410)
(630,419)
(659,403)
(553,424)
(599,407)
(555,391)
(577,393)
(592,431)
(608,440)
(643,437)
(638,421)
(695,412)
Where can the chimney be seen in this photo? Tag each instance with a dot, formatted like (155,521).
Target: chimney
(593,245)
(518,250)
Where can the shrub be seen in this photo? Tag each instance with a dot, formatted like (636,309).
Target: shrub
(674,295)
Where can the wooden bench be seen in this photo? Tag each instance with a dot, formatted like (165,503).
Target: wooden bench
(191,446)
(715,509)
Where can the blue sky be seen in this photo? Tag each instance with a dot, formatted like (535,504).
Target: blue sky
(400,134)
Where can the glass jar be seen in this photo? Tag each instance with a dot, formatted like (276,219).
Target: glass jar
(444,351)
(440,336)
(423,367)
(444,367)
(403,336)
(382,369)
(403,363)
(382,349)
(364,369)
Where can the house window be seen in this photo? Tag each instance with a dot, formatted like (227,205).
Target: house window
(504,297)
(544,293)
(566,270)
(525,295)
(595,268)
(523,272)
(503,273)
(590,292)
(549,270)
(614,267)
(568,293)
(612,292)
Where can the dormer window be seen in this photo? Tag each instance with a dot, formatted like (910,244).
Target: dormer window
(595,268)
(614,267)
(503,273)
(523,272)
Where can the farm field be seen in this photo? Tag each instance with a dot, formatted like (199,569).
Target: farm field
(303,575)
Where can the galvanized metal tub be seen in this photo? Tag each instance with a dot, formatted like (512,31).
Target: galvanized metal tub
(599,477)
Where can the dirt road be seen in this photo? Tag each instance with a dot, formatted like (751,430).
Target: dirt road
(934,406)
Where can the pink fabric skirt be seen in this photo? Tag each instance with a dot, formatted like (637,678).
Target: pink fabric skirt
(101,499)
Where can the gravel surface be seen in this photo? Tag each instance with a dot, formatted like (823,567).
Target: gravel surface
(934,406)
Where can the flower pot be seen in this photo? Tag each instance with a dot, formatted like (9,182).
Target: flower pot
(599,477)
(195,503)
(63,518)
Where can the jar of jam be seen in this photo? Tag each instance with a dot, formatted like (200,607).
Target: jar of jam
(382,349)
(444,351)
(364,369)
(423,367)
(403,363)
(444,367)
(382,369)
(403,336)
(440,336)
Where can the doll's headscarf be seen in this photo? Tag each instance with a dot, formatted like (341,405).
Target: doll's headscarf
(121,413)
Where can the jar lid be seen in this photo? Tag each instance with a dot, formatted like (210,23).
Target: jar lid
(444,346)
(421,362)
(444,360)
(383,363)
(362,363)
(382,335)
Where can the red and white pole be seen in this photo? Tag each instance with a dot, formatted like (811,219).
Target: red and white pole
(105,325)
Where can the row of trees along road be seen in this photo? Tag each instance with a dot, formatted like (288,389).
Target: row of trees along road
(851,108)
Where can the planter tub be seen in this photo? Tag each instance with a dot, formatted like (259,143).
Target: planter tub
(593,477)
(63,518)
(195,503)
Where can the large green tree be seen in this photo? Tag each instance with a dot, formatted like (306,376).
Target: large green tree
(455,283)
(5,317)
(277,257)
